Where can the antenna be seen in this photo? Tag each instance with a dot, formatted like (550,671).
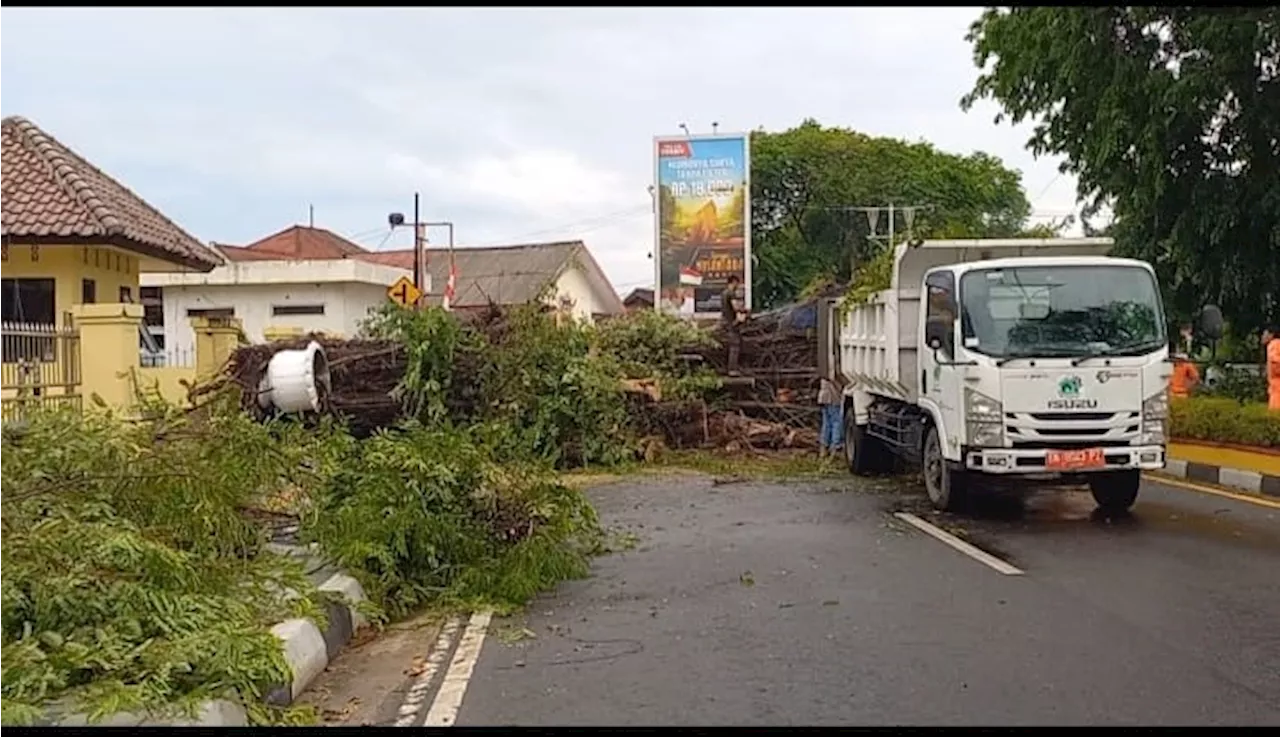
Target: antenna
(684,128)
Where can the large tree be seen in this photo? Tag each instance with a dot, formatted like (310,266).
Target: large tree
(805,181)
(1169,117)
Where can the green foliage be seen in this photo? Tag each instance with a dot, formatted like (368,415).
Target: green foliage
(1169,117)
(1225,421)
(649,344)
(131,579)
(804,179)
(557,402)
(432,339)
(1237,384)
(435,515)
(875,276)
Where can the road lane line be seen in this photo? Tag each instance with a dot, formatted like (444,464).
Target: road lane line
(444,710)
(941,535)
(1188,486)
(416,697)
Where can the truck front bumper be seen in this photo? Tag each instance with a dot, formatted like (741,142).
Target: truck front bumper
(1032,461)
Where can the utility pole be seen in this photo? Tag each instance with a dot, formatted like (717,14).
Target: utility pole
(873,221)
(418,256)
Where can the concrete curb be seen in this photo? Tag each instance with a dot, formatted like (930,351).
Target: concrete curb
(307,649)
(1232,478)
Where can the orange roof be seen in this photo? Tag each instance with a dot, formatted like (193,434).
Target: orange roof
(51,194)
(300,242)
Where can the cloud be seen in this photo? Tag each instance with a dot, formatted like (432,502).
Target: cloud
(512,123)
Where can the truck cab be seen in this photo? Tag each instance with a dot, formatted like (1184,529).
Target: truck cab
(1009,364)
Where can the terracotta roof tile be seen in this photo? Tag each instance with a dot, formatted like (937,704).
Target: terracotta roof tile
(303,242)
(503,274)
(49,191)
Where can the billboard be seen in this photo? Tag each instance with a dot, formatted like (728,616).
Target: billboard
(702,221)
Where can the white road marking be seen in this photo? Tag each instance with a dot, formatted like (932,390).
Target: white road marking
(444,711)
(956,543)
(408,715)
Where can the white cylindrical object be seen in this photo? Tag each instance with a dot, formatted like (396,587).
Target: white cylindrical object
(296,380)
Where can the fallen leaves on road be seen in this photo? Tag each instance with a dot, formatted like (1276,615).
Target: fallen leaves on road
(747,579)
(343,714)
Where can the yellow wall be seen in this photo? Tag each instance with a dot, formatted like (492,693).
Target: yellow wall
(168,380)
(110,267)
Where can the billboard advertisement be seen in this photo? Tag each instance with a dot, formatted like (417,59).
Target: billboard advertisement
(702,187)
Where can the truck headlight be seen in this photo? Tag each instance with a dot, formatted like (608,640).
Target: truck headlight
(984,420)
(981,408)
(1155,415)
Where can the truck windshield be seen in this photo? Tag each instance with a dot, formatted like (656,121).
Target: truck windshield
(1061,311)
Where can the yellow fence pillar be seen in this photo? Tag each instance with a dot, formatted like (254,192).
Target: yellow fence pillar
(108,351)
(216,339)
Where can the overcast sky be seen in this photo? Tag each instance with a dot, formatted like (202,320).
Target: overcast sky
(517,125)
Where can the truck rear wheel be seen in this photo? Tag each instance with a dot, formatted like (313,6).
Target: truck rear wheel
(864,454)
(944,484)
(1116,491)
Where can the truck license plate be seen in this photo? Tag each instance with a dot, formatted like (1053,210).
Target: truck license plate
(1070,460)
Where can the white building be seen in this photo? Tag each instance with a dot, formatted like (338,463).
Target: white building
(305,279)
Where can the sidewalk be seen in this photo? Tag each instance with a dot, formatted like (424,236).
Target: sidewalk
(1235,468)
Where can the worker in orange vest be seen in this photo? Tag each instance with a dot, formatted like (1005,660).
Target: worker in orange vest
(1185,377)
(1271,343)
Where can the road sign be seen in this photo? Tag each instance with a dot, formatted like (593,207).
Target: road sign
(404,292)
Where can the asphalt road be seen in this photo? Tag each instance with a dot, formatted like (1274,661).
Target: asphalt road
(811,603)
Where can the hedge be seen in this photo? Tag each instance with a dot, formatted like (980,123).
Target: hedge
(1224,421)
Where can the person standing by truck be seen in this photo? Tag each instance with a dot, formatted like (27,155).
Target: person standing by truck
(733,312)
(831,402)
(1186,377)
(1271,344)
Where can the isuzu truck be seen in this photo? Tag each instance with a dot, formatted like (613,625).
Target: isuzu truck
(991,364)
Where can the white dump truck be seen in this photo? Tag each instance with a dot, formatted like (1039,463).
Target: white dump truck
(1002,364)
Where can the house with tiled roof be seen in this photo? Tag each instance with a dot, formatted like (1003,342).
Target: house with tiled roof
(300,280)
(563,272)
(73,241)
(308,279)
(72,234)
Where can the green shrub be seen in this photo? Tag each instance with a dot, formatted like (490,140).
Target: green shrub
(1225,421)
(649,344)
(131,579)
(429,515)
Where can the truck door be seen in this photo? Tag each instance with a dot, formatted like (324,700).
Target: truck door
(940,387)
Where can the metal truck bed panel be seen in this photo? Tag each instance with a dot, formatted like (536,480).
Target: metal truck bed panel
(878,344)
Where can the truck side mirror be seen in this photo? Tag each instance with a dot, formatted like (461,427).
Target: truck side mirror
(937,330)
(1211,322)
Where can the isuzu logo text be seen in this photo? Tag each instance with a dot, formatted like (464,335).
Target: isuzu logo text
(1072,403)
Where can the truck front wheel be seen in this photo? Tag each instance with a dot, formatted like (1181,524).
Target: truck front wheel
(944,484)
(1117,491)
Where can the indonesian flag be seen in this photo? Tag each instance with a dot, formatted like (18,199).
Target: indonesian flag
(690,276)
(451,285)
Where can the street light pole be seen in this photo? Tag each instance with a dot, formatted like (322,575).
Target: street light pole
(418,265)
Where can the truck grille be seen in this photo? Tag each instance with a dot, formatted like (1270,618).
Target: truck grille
(1072,429)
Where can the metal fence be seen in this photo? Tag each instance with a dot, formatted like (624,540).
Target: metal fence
(41,367)
(177,358)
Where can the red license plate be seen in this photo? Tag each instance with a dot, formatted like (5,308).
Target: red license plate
(1073,460)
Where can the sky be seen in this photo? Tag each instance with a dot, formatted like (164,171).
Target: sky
(517,125)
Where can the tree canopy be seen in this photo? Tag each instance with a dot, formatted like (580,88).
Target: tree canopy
(1169,117)
(805,180)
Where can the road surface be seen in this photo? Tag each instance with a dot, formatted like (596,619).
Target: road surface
(848,602)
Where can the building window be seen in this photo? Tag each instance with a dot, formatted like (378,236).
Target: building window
(290,310)
(152,307)
(28,300)
(212,312)
(88,291)
(126,295)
